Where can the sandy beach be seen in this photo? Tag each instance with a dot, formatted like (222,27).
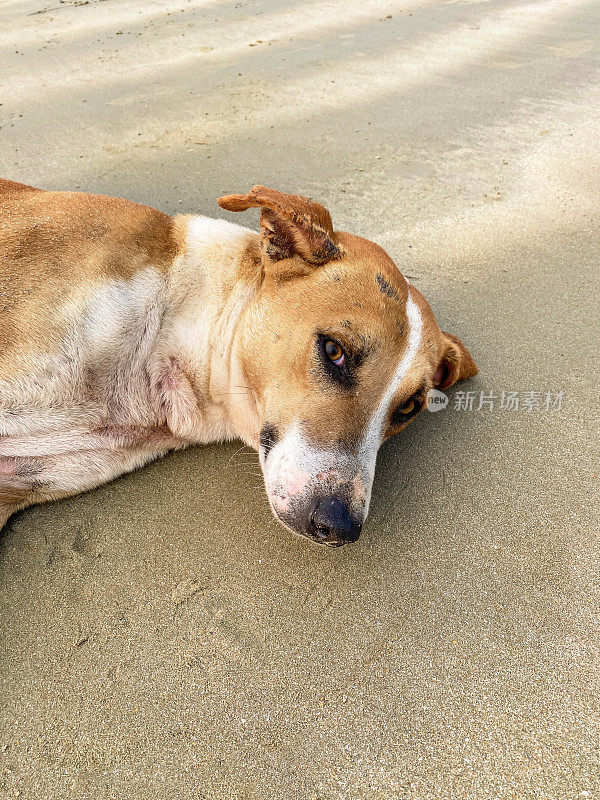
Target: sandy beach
(162,637)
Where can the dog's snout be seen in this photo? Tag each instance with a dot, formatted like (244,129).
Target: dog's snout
(332,523)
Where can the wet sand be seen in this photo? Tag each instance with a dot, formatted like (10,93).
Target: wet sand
(162,637)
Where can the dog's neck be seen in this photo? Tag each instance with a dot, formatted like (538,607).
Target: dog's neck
(210,287)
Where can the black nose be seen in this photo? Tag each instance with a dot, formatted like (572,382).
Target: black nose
(331,523)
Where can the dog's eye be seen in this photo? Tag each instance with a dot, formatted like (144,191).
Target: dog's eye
(335,353)
(407,410)
(409,407)
(336,362)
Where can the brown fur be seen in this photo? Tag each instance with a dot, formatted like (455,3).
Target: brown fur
(46,234)
(291,224)
(378,316)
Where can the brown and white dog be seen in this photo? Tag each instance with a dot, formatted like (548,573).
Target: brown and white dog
(126,333)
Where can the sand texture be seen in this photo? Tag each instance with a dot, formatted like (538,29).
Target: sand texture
(162,638)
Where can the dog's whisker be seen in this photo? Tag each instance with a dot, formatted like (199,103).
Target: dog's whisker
(243,390)
(239,450)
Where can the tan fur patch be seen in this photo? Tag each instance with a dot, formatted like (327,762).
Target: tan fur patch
(346,303)
(51,241)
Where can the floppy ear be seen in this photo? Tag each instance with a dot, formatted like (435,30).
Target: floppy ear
(291,225)
(456,363)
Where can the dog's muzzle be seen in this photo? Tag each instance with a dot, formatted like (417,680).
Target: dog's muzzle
(314,492)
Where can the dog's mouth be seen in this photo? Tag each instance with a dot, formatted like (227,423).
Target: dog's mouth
(325,537)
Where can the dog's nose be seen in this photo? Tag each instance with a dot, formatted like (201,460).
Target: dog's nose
(332,523)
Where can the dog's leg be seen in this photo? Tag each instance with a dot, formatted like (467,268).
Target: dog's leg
(71,473)
(5,512)
(15,488)
(28,480)
(29,447)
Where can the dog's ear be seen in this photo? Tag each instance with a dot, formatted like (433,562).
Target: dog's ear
(291,225)
(456,363)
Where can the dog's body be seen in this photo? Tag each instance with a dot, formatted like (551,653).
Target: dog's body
(125,333)
(115,329)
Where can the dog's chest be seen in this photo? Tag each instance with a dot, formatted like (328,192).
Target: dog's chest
(114,344)
(110,378)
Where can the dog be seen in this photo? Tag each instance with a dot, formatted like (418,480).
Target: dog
(126,333)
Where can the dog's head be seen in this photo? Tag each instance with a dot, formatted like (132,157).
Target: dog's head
(340,351)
